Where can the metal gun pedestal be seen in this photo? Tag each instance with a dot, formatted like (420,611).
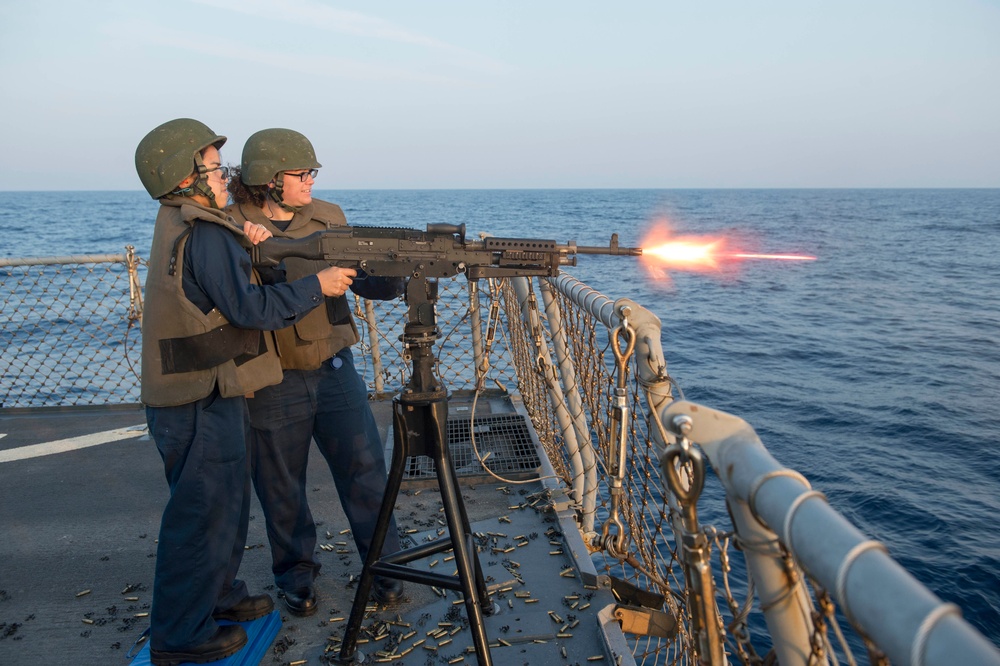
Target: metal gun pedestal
(420,415)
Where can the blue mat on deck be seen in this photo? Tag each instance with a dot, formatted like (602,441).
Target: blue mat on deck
(260,635)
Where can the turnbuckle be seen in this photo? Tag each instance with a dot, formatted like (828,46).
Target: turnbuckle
(619,428)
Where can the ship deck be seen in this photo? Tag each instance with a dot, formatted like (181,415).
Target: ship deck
(79,546)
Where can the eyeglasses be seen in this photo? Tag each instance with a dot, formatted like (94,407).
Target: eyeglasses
(303,175)
(223,171)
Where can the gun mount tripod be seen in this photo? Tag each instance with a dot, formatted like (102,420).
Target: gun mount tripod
(420,415)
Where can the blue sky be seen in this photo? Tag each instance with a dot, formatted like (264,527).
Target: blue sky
(515,94)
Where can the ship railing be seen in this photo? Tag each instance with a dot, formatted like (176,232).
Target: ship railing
(811,571)
(71,337)
(70,330)
(793,526)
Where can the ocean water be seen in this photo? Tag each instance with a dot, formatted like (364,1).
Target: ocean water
(874,371)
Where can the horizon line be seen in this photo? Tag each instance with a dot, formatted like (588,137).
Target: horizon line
(570,189)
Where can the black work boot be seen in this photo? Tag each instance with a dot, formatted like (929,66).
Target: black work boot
(249,608)
(301,601)
(387,590)
(228,639)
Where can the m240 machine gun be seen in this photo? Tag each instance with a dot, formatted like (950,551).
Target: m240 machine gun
(420,411)
(441,251)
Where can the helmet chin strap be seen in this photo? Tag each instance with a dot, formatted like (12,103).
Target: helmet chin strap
(200,185)
(277,194)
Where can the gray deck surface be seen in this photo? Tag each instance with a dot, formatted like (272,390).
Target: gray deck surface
(78,548)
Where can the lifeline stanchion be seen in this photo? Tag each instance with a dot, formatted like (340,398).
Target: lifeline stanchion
(420,415)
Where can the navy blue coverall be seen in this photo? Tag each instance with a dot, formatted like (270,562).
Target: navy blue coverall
(330,406)
(204,446)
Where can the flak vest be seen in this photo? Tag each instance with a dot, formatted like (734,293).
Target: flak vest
(311,341)
(187,353)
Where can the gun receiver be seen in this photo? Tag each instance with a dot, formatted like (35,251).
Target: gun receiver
(441,251)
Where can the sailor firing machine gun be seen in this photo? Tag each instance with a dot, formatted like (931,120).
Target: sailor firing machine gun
(420,411)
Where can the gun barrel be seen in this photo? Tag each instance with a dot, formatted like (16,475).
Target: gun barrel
(613,250)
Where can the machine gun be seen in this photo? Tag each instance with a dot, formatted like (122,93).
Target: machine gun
(441,251)
(420,411)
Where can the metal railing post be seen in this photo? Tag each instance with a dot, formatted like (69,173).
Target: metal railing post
(373,336)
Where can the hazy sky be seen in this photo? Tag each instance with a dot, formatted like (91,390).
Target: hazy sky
(478,94)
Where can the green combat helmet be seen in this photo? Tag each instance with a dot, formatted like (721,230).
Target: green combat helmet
(172,152)
(270,152)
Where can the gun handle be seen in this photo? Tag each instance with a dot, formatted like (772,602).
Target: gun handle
(444,228)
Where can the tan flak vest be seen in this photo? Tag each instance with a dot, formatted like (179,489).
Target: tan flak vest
(313,339)
(185,352)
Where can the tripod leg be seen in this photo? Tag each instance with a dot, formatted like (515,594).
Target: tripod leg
(393,483)
(466,559)
(484,599)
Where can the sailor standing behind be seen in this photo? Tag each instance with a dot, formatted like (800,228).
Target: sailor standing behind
(204,348)
(321,398)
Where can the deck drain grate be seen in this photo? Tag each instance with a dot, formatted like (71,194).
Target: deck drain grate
(506,436)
